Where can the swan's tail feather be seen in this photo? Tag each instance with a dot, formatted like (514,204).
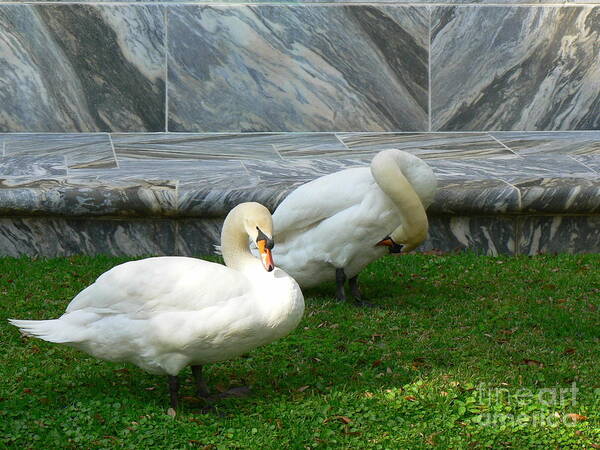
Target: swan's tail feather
(48,330)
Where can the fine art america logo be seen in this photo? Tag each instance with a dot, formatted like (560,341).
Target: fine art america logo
(539,407)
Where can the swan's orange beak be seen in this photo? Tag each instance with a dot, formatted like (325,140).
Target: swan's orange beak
(389,242)
(265,255)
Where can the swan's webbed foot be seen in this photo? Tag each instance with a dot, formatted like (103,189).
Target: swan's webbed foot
(201,387)
(241,391)
(174,390)
(340,280)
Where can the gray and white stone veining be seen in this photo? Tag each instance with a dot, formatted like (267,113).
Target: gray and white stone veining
(507,68)
(57,236)
(465,197)
(79,150)
(511,169)
(488,235)
(196,146)
(82,68)
(560,195)
(592,161)
(33,167)
(547,143)
(559,234)
(429,145)
(296,68)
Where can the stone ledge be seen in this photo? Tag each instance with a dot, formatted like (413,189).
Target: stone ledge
(514,193)
(158,199)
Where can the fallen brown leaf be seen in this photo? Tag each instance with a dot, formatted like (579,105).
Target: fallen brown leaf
(532,362)
(576,417)
(507,332)
(376,363)
(303,388)
(410,398)
(569,351)
(431,438)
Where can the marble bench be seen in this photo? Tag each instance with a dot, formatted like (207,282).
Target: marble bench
(167,193)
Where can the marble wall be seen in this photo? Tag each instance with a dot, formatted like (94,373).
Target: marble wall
(379,66)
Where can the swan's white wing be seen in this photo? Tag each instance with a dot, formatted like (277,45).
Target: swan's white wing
(319,199)
(163,284)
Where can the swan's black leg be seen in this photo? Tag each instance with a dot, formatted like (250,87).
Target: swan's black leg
(354,290)
(340,279)
(174,390)
(201,388)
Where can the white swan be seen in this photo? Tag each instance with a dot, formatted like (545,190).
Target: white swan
(332,227)
(163,314)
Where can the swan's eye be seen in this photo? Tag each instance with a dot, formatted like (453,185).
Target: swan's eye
(263,237)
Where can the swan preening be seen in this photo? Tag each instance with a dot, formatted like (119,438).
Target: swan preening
(163,314)
(332,227)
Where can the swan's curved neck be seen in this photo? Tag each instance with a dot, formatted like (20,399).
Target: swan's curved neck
(387,169)
(234,244)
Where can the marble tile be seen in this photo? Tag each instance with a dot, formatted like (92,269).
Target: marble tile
(591,161)
(33,166)
(560,195)
(86,197)
(486,235)
(80,150)
(511,169)
(467,197)
(195,146)
(198,237)
(296,68)
(82,68)
(301,170)
(559,234)
(297,145)
(429,145)
(56,236)
(224,184)
(508,68)
(547,143)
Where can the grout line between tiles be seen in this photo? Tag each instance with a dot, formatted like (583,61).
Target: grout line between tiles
(166,19)
(583,164)
(276,151)
(112,145)
(505,146)
(341,141)
(430,9)
(519,198)
(245,168)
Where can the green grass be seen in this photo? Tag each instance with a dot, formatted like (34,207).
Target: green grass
(457,354)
